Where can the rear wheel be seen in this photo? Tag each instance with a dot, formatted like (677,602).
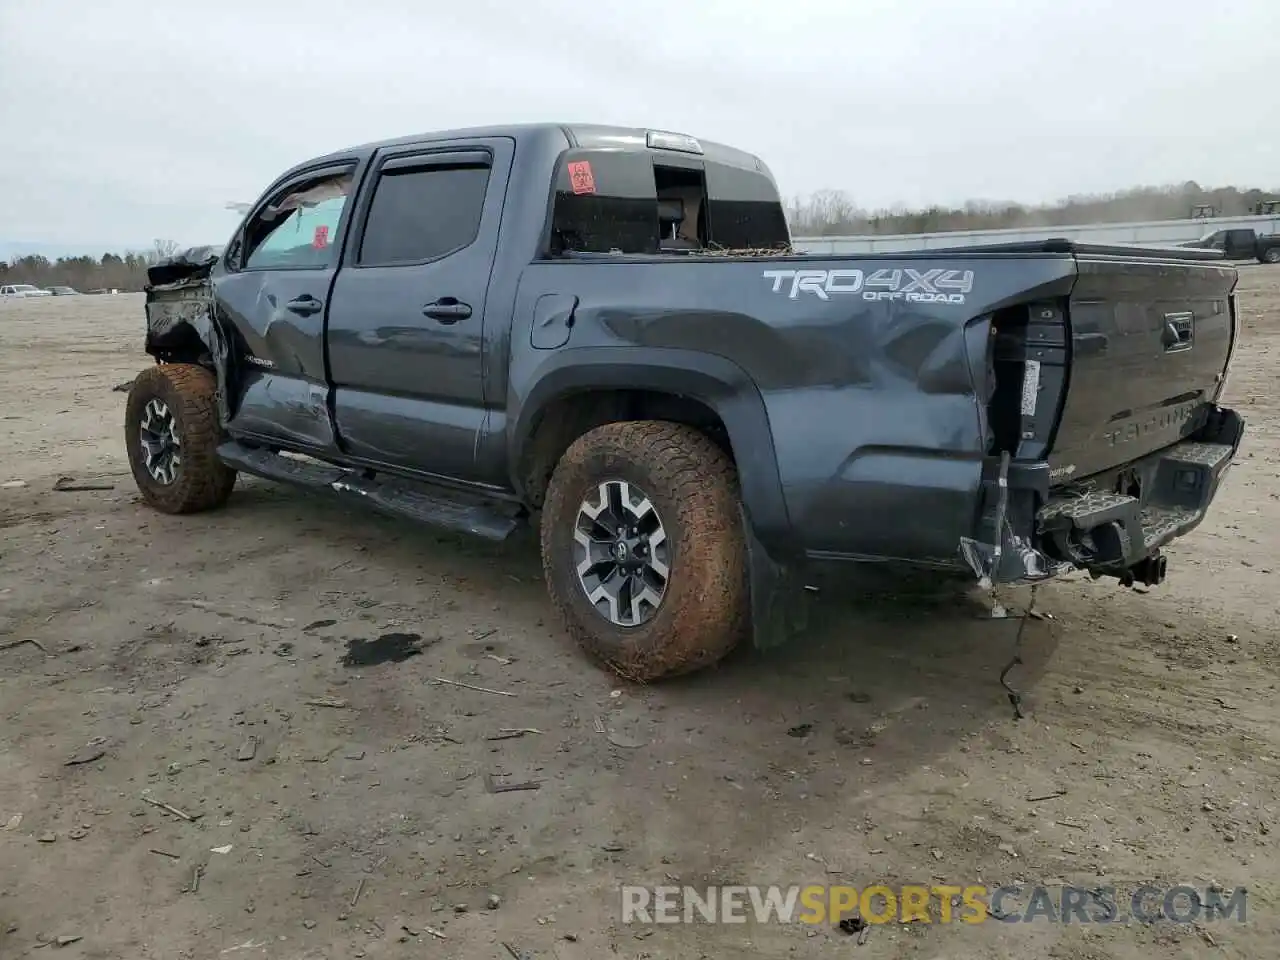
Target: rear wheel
(171,434)
(643,548)
(1270,255)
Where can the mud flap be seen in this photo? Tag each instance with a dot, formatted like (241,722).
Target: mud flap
(779,602)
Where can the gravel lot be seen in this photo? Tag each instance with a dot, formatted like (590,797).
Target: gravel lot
(188,660)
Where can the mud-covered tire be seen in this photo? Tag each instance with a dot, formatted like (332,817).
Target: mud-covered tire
(200,481)
(693,487)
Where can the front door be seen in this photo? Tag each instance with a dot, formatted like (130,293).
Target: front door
(406,317)
(273,285)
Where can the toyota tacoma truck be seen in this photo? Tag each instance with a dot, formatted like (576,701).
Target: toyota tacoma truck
(606,333)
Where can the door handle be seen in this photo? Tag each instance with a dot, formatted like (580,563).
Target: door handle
(447,310)
(305,305)
(1179,331)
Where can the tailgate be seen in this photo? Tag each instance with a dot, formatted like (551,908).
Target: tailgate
(1150,341)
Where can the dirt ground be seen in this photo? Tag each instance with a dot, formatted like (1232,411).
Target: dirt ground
(187,661)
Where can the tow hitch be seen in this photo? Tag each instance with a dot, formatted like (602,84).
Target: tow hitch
(1148,572)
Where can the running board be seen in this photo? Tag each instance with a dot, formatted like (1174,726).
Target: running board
(437,506)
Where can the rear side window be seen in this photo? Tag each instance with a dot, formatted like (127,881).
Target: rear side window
(605,202)
(423,213)
(637,202)
(744,211)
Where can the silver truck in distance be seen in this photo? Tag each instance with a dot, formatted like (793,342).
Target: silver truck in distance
(604,331)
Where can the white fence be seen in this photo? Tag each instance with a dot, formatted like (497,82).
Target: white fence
(1154,233)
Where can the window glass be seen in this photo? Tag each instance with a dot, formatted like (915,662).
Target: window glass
(744,211)
(605,202)
(301,227)
(423,213)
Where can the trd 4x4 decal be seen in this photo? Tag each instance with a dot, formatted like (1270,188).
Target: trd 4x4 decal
(890,283)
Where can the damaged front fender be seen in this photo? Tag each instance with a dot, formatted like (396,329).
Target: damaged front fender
(182,323)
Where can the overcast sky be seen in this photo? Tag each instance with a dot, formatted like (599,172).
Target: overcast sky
(127,120)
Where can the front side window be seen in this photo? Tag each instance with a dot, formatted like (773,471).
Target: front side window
(299,228)
(423,213)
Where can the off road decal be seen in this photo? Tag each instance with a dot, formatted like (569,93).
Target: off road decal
(581,179)
(890,283)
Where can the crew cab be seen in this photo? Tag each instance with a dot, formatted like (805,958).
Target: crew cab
(606,332)
(1241,243)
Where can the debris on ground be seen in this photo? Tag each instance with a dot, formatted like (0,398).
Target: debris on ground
(86,754)
(248,750)
(170,809)
(493,901)
(12,484)
(11,644)
(513,733)
(1047,796)
(47,837)
(221,850)
(355,897)
(123,387)
(627,741)
(491,783)
(468,686)
(337,703)
(71,485)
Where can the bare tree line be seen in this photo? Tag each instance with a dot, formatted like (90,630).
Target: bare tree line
(112,271)
(825,213)
(835,212)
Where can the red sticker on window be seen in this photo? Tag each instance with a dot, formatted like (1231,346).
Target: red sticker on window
(321,237)
(581,179)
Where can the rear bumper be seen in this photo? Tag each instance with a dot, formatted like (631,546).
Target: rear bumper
(1116,523)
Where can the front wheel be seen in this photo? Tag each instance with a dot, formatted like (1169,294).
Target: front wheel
(171,435)
(643,549)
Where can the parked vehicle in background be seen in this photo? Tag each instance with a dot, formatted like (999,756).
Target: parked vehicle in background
(20,290)
(1241,243)
(603,332)
(64,291)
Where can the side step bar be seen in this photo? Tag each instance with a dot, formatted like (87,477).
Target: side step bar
(435,506)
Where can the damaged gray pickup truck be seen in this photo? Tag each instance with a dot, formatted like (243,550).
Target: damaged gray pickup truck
(605,332)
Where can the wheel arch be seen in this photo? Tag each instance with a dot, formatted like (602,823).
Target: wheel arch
(579,389)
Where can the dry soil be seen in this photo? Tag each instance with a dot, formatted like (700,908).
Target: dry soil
(342,810)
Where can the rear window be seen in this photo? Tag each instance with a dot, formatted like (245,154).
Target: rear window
(632,202)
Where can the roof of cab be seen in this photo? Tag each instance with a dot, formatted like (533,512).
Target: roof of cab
(584,135)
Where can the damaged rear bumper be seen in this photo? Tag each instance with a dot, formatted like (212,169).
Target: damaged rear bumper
(1113,524)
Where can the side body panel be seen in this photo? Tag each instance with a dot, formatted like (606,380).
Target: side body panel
(850,396)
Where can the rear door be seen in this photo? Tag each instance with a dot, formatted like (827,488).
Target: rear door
(407,315)
(1241,244)
(1149,342)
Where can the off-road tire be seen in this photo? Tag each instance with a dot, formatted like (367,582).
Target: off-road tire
(693,486)
(201,481)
